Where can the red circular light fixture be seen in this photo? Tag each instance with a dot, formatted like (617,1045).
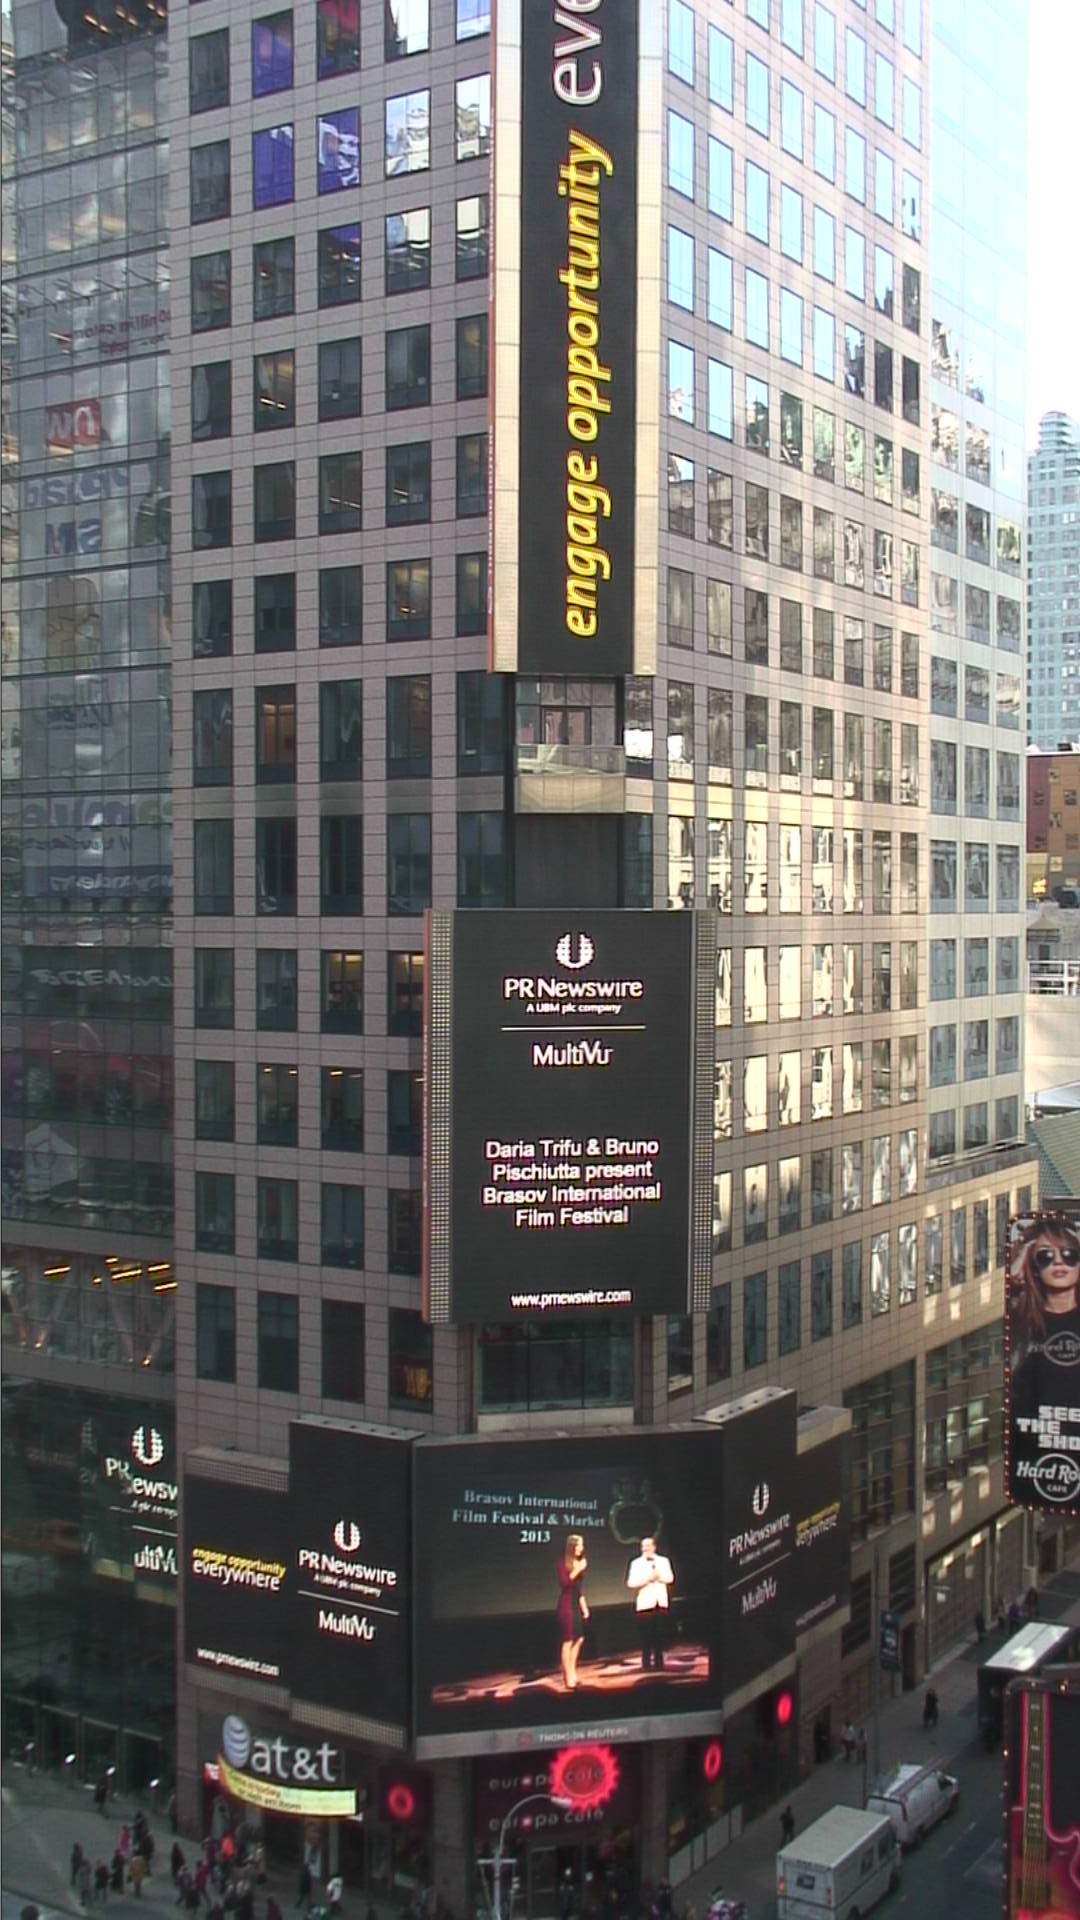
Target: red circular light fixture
(785,1707)
(586,1775)
(712,1760)
(400,1801)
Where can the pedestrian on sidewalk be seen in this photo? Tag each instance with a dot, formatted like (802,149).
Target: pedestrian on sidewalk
(84,1880)
(1014,1616)
(176,1860)
(119,1867)
(303,1892)
(787,1826)
(930,1709)
(848,1740)
(980,1624)
(137,1873)
(123,1844)
(860,1746)
(1032,1603)
(335,1887)
(273,1911)
(76,1863)
(101,1883)
(101,1795)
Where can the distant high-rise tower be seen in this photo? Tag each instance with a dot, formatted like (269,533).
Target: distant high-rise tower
(1054,583)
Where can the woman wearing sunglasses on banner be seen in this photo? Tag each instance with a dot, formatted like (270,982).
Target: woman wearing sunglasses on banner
(1044,1316)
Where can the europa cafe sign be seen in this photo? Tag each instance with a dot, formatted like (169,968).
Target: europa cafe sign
(283,1776)
(575,350)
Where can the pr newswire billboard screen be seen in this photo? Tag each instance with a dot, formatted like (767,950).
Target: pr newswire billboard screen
(823,1531)
(568,1153)
(236,1578)
(1042,1363)
(350,1620)
(575,1583)
(578,338)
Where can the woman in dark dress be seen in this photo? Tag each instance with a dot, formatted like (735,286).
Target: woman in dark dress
(573,1608)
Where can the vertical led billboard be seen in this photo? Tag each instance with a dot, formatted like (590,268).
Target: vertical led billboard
(823,1531)
(236,1578)
(350,1599)
(569,1085)
(1042,1364)
(1042,1833)
(574,406)
(620,1582)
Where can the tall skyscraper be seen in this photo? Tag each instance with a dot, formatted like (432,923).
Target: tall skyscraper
(614,351)
(1053,584)
(88,1284)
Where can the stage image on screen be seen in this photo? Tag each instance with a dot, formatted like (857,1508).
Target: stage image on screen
(563,1161)
(1042,1363)
(592,1580)
(1042,1720)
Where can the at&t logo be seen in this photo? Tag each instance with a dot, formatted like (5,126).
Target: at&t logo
(347,1536)
(147,1446)
(759,1499)
(574,950)
(236,1740)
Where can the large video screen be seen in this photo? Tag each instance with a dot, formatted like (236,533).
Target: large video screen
(602,1581)
(560,1153)
(236,1578)
(350,1569)
(823,1531)
(1042,1363)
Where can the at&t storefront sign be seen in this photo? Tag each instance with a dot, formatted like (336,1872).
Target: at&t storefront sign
(283,1776)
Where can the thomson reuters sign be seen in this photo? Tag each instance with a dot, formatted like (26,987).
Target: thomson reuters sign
(575,384)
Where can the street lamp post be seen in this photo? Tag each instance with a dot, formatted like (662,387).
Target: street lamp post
(553,1800)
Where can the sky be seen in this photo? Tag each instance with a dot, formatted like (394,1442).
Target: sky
(1054,210)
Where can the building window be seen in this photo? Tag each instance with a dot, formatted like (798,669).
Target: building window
(408,856)
(279,1341)
(470,598)
(554,1363)
(342,984)
(209,181)
(340,493)
(473,230)
(339,379)
(275,734)
(275,867)
(340,606)
(275,501)
(408,483)
(339,266)
(407,133)
(408,367)
(405,995)
(407,256)
(276,1224)
(272,182)
(212,738)
(481,857)
(213,866)
(273,278)
(341,864)
(271,54)
(408,726)
(213,987)
(755,1329)
(275,989)
(412,1362)
(472,475)
(337,39)
(215,1100)
(408,600)
(215,1332)
(343,1350)
(472,117)
(215,1212)
(211,510)
(404,1111)
(208,71)
(211,291)
(341,1241)
(275,612)
(340,729)
(481,728)
(277,1102)
(337,141)
(471,356)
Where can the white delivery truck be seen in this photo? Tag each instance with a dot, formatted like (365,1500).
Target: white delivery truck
(915,1799)
(840,1867)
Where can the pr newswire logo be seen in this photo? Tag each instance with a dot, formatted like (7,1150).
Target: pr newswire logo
(759,1499)
(147,1446)
(574,950)
(347,1536)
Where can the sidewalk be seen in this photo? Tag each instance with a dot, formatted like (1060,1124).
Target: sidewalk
(747,1869)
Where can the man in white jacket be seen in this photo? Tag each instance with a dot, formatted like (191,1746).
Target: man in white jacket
(649,1578)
